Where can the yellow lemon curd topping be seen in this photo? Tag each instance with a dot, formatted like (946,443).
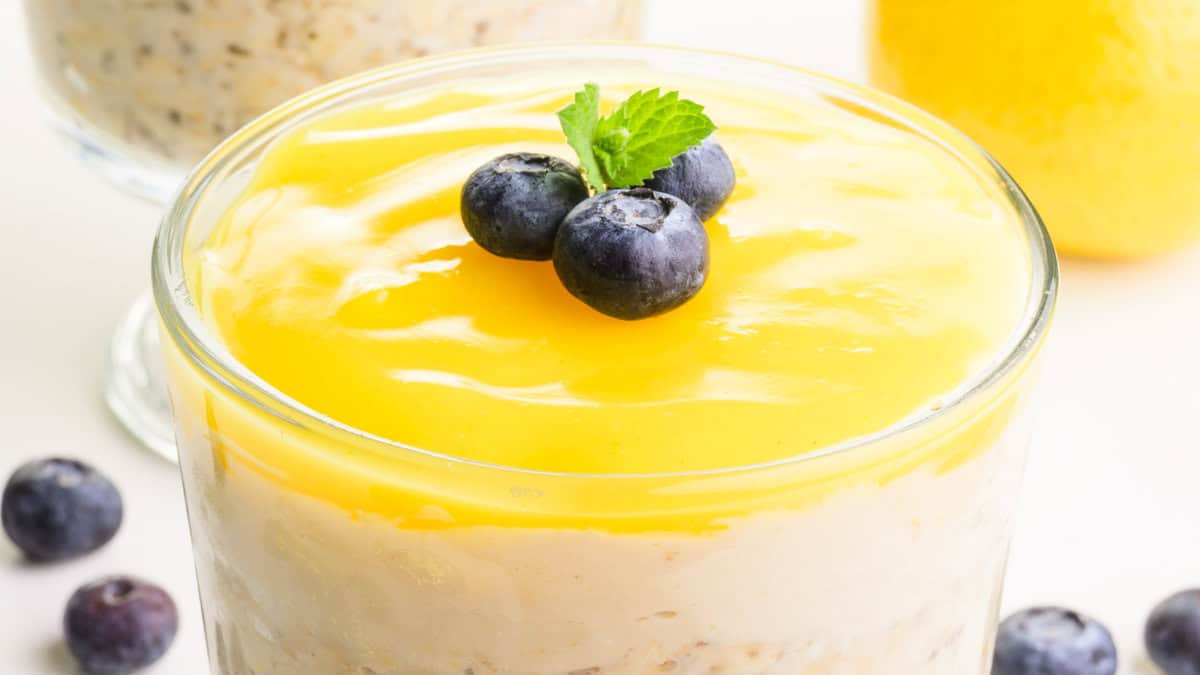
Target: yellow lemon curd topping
(860,275)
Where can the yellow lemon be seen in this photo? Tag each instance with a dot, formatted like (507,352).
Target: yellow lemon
(1094,106)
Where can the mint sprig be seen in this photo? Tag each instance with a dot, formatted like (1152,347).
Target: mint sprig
(643,135)
(579,121)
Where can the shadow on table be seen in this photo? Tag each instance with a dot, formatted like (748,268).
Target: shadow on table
(56,659)
(9,555)
(1143,666)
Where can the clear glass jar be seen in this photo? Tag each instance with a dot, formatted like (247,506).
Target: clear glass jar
(843,559)
(148,87)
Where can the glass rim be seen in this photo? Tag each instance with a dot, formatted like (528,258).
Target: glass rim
(204,350)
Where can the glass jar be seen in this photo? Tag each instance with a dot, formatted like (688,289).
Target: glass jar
(882,554)
(150,87)
(1092,106)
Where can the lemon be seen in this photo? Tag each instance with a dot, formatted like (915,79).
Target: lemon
(1092,105)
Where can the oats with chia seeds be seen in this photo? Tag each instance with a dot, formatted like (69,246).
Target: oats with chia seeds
(172,78)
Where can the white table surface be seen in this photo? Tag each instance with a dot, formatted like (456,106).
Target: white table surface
(1108,518)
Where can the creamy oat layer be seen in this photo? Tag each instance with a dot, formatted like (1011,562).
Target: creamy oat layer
(895,579)
(172,78)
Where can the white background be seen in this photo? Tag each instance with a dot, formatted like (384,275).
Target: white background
(1109,518)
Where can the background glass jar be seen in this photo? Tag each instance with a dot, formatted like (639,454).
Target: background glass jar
(1093,106)
(321,547)
(160,83)
(146,88)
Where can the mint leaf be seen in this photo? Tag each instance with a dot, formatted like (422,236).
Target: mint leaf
(578,122)
(657,129)
(609,147)
(640,137)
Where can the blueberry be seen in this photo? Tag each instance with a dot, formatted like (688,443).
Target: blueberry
(512,206)
(1173,634)
(119,625)
(55,509)
(632,253)
(702,176)
(1053,641)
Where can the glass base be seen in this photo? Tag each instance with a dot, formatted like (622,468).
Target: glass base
(142,177)
(134,382)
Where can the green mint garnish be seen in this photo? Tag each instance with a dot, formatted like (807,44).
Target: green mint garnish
(579,121)
(643,135)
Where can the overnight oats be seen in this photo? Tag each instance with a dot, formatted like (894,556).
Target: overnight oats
(164,81)
(406,451)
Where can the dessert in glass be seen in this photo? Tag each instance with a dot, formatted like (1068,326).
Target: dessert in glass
(145,89)
(403,454)
(1090,104)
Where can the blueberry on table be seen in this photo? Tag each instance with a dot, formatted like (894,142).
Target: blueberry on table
(1173,634)
(512,206)
(702,176)
(119,625)
(54,509)
(1053,641)
(633,253)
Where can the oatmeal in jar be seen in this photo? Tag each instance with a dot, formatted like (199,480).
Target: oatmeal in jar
(172,78)
(795,472)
